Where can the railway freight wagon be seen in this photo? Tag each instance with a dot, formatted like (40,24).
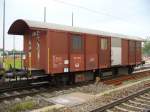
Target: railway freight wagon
(76,54)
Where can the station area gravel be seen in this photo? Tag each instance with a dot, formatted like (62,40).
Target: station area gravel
(103,94)
(108,97)
(40,102)
(23,104)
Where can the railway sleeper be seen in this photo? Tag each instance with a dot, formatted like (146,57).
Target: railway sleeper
(143,100)
(142,107)
(144,97)
(129,108)
(133,106)
(108,110)
(122,109)
(139,103)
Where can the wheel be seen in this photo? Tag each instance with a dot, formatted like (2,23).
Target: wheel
(115,71)
(130,70)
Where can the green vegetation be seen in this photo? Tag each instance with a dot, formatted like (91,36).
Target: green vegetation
(146,47)
(27,105)
(10,60)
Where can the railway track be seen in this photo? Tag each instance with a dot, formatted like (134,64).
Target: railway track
(43,92)
(10,93)
(30,83)
(137,102)
(14,84)
(21,88)
(120,79)
(20,93)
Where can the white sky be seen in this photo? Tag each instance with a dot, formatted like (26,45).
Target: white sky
(130,17)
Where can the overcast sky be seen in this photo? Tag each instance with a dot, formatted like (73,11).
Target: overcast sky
(130,17)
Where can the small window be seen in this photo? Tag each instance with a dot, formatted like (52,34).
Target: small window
(77,42)
(104,43)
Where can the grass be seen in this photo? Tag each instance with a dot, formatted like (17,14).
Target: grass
(27,105)
(10,60)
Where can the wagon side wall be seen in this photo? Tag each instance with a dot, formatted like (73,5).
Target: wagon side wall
(104,52)
(76,52)
(43,51)
(31,59)
(125,52)
(57,52)
(91,52)
(26,49)
(132,52)
(138,52)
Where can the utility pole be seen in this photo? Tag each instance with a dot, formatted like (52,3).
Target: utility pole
(72,18)
(44,14)
(3,31)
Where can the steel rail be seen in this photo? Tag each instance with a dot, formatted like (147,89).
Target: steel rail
(115,103)
(20,95)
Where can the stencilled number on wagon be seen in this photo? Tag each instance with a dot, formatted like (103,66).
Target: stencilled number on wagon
(92,59)
(77,58)
(57,61)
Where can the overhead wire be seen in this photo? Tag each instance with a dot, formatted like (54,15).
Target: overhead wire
(90,10)
(96,12)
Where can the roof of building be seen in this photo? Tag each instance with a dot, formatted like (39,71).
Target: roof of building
(20,26)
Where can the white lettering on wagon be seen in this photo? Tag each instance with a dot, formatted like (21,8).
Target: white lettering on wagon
(66,69)
(77,65)
(77,61)
(66,62)
(77,58)
(92,59)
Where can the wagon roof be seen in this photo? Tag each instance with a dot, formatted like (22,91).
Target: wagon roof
(20,26)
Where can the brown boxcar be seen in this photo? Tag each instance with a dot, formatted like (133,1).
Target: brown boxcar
(58,52)
(125,52)
(138,52)
(34,47)
(26,49)
(43,45)
(30,50)
(91,52)
(76,52)
(132,52)
(104,52)
(59,48)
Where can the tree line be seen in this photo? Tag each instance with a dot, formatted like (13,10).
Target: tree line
(146,47)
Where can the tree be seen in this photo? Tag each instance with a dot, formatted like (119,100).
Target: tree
(146,47)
